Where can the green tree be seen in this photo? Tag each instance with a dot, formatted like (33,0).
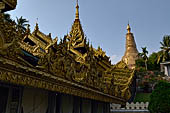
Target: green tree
(160,98)
(140,63)
(152,62)
(144,56)
(165,49)
(21,24)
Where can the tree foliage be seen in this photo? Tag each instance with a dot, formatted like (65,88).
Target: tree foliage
(165,49)
(144,56)
(152,62)
(140,63)
(160,98)
(21,24)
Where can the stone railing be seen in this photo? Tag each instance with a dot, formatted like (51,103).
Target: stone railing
(137,105)
(130,107)
(115,106)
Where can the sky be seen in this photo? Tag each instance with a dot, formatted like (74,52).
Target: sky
(104,21)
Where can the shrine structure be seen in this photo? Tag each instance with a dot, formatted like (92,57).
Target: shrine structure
(39,75)
(131,53)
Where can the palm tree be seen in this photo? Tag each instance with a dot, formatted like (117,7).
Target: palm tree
(144,56)
(165,49)
(21,24)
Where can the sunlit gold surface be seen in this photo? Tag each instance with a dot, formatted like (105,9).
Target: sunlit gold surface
(72,66)
(131,53)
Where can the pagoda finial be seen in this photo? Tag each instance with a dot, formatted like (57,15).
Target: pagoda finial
(28,28)
(128,28)
(77,10)
(36,27)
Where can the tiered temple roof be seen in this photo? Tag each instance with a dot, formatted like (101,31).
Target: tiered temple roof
(37,43)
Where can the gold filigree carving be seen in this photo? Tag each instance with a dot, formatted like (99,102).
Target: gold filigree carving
(72,60)
(10,37)
(1,40)
(19,79)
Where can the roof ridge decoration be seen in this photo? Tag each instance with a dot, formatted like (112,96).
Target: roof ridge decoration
(37,31)
(41,42)
(9,37)
(77,10)
(76,38)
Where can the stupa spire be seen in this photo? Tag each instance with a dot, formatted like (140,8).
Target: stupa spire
(77,10)
(128,28)
(131,53)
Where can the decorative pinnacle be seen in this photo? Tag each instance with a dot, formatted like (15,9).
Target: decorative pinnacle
(77,10)
(28,28)
(128,28)
(36,27)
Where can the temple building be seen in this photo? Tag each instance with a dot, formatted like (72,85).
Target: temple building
(131,53)
(40,75)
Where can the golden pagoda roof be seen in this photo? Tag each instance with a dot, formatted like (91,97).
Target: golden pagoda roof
(46,38)
(40,42)
(76,36)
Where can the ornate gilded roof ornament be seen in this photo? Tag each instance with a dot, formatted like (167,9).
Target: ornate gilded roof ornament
(77,10)
(9,38)
(36,27)
(99,52)
(128,28)
(76,38)
(37,43)
(28,30)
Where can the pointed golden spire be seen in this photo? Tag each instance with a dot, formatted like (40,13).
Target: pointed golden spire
(128,28)
(77,10)
(76,35)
